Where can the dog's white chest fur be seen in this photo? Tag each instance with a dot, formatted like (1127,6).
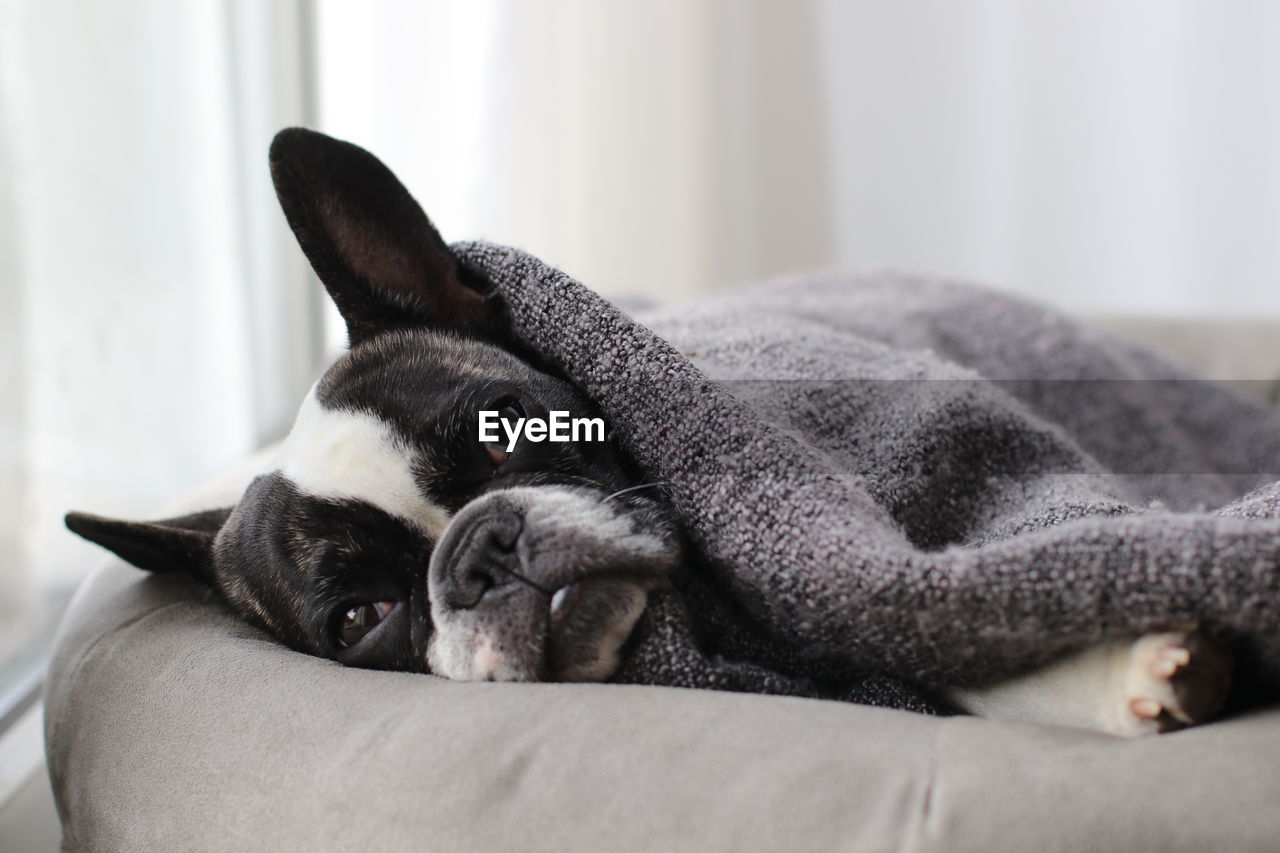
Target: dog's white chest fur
(345,455)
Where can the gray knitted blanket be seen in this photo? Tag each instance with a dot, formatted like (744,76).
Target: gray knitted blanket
(890,483)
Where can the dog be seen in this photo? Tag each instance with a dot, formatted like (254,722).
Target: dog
(392,532)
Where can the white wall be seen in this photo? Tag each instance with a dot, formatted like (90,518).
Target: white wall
(1101,154)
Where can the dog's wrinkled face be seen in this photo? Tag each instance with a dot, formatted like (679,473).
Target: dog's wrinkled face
(410,544)
(389,533)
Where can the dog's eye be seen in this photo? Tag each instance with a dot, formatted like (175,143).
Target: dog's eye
(509,412)
(360,620)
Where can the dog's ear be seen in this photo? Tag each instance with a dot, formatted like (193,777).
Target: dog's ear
(183,544)
(378,255)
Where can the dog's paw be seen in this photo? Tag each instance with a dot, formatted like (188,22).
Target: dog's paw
(1170,680)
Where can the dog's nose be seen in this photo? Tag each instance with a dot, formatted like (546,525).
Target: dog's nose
(483,560)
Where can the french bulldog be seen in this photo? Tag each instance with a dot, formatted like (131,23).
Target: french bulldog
(393,531)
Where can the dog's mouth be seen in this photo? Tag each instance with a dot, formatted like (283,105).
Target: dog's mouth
(587,625)
(574,634)
(542,585)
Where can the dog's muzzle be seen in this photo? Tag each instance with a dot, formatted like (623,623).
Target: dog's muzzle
(542,584)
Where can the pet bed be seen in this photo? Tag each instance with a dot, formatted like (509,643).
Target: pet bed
(171,725)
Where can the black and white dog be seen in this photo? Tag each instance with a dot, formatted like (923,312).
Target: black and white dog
(386,535)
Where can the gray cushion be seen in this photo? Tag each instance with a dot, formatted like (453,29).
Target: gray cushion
(171,726)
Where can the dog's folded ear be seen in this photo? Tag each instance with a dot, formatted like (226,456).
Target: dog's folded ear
(370,243)
(183,544)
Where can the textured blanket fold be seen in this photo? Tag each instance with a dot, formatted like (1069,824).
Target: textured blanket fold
(891,482)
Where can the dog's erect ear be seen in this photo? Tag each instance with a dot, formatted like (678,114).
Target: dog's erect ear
(378,255)
(183,544)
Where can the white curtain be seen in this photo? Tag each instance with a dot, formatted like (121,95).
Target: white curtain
(136,266)
(654,148)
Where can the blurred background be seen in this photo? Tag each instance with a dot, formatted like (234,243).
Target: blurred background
(157,322)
